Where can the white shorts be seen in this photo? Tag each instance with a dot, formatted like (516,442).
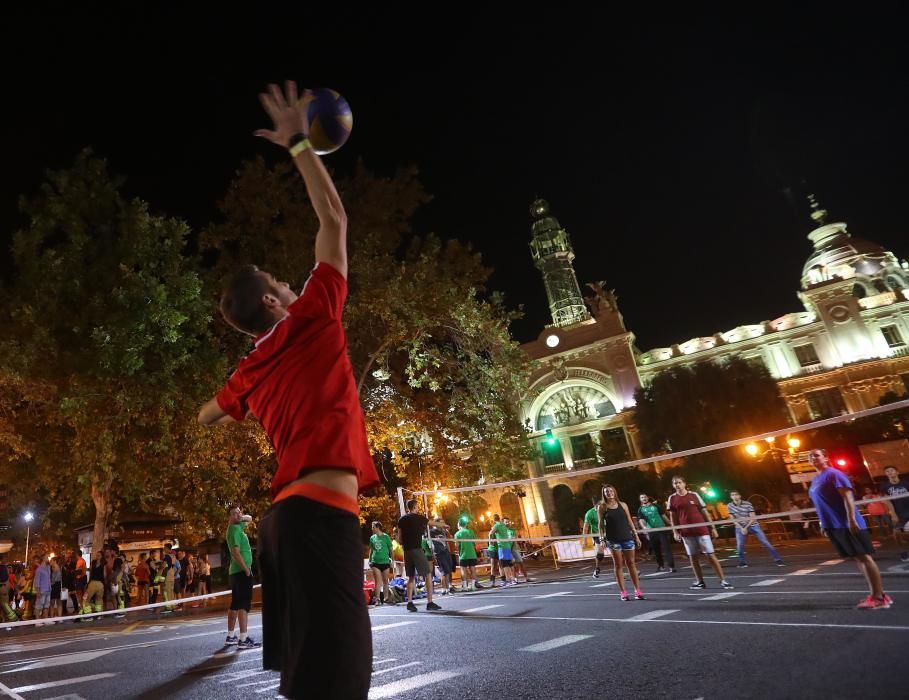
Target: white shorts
(697,543)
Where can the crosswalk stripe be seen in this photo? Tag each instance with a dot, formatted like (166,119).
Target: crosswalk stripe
(57,684)
(603,585)
(768,582)
(557,642)
(393,624)
(482,607)
(552,595)
(652,615)
(720,596)
(384,661)
(395,688)
(268,688)
(832,562)
(396,668)
(803,572)
(240,676)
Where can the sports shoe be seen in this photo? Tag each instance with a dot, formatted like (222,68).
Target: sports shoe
(452,589)
(698,584)
(639,594)
(726,584)
(888,599)
(780,563)
(231,639)
(248,643)
(624,596)
(872,603)
(433,606)
(671,569)
(478,586)
(661,568)
(596,572)
(904,556)
(743,565)
(411,607)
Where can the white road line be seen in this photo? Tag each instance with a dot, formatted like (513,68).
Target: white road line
(390,690)
(396,668)
(393,624)
(803,572)
(720,596)
(652,615)
(264,680)
(482,607)
(551,595)
(384,661)
(557,642)
(832,562)
(603,585)
(9,691)
(81,657)
(657,573)
(57,684)
(268,688)
(767,582)
(242,676)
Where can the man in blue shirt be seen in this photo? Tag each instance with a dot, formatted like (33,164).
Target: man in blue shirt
(834,498)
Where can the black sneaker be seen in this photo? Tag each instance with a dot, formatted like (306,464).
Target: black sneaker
(411,607)
(248,643)
(432,606)
(698,584)
(726,584)
(231,639)
(596,572)
(742,566)
(478,586)
(780,563)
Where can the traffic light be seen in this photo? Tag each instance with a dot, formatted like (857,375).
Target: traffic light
(550,438)
(711,494)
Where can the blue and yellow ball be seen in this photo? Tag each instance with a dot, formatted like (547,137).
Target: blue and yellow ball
(330,120)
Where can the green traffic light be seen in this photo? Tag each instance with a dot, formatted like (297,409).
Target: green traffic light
(550,438)
(711,493)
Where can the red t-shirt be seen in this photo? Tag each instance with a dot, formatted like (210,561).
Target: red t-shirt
(686,510)
(298,381)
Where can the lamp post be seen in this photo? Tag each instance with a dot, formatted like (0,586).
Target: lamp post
(28,516)
(793,443)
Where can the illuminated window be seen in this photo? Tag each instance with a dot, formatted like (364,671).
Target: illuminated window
(892,336)
(806,355)
(825,403)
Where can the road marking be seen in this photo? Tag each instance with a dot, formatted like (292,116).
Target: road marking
(482,607)
(57,684)
(64,660)
(603,585)
(269,688)
(264,680)
(393,624)
(658,573)
(390,690)
(32,646)
(557,642)
(832,562)
(9,691)
(720,596)
(241,676)
(384,661)
(652,615)
(395,668)
(803,572)
(551,595)
(131,627)
(767,582)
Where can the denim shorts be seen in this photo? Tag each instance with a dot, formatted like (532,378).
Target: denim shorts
(624,545)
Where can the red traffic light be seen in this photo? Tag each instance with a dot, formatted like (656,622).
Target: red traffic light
(842,462)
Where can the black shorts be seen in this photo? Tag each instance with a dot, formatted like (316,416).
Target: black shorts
(849,544)
(415,562)
(178,586)
(494,554)
(446,565)
(56,589)
(468,562)
(315,624)
(380,567)
(241,587)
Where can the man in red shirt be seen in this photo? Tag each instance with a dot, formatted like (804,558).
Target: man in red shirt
(298,382)
(687,508)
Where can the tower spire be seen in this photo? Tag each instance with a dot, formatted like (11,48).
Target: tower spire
(553,256)
(818,213)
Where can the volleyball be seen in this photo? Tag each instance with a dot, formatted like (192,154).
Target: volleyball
(330,119)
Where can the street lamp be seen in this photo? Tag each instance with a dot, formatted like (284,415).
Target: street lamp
(28,516)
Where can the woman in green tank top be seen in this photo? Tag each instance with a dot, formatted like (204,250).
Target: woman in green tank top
(380,563)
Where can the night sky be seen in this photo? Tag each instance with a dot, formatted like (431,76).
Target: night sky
(677,153)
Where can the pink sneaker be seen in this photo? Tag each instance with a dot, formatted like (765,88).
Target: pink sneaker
(639,594)
(872,603)
(888,599)
(624,595)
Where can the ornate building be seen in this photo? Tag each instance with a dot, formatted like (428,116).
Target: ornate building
(840,354)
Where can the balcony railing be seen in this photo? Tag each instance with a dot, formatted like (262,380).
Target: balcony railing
(553,468)
(586,462)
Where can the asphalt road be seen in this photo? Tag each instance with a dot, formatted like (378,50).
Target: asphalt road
(782,632)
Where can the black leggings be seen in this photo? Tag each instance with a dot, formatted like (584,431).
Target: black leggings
(661,545)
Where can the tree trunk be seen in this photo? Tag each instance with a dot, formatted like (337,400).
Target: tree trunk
(102,501)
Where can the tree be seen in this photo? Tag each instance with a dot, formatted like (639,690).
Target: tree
(438,374)
(710,402)
(108,330)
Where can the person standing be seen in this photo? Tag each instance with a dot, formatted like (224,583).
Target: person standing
(56,587)
(591,526)
(412,528)
(834,498)
(467,557)
(687,508)
(143,579)
(442,556)
(42,587)
(616,527)
(380,562)
(746,524)
(204,577)
(651,517)
(241,579)
(895,486)
(93,600)
(4,592)
(506,559)
(516,553)
(80,578)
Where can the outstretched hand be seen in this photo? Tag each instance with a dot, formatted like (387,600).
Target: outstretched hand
(287,112)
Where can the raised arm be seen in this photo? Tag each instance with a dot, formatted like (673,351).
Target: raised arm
(291,131)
